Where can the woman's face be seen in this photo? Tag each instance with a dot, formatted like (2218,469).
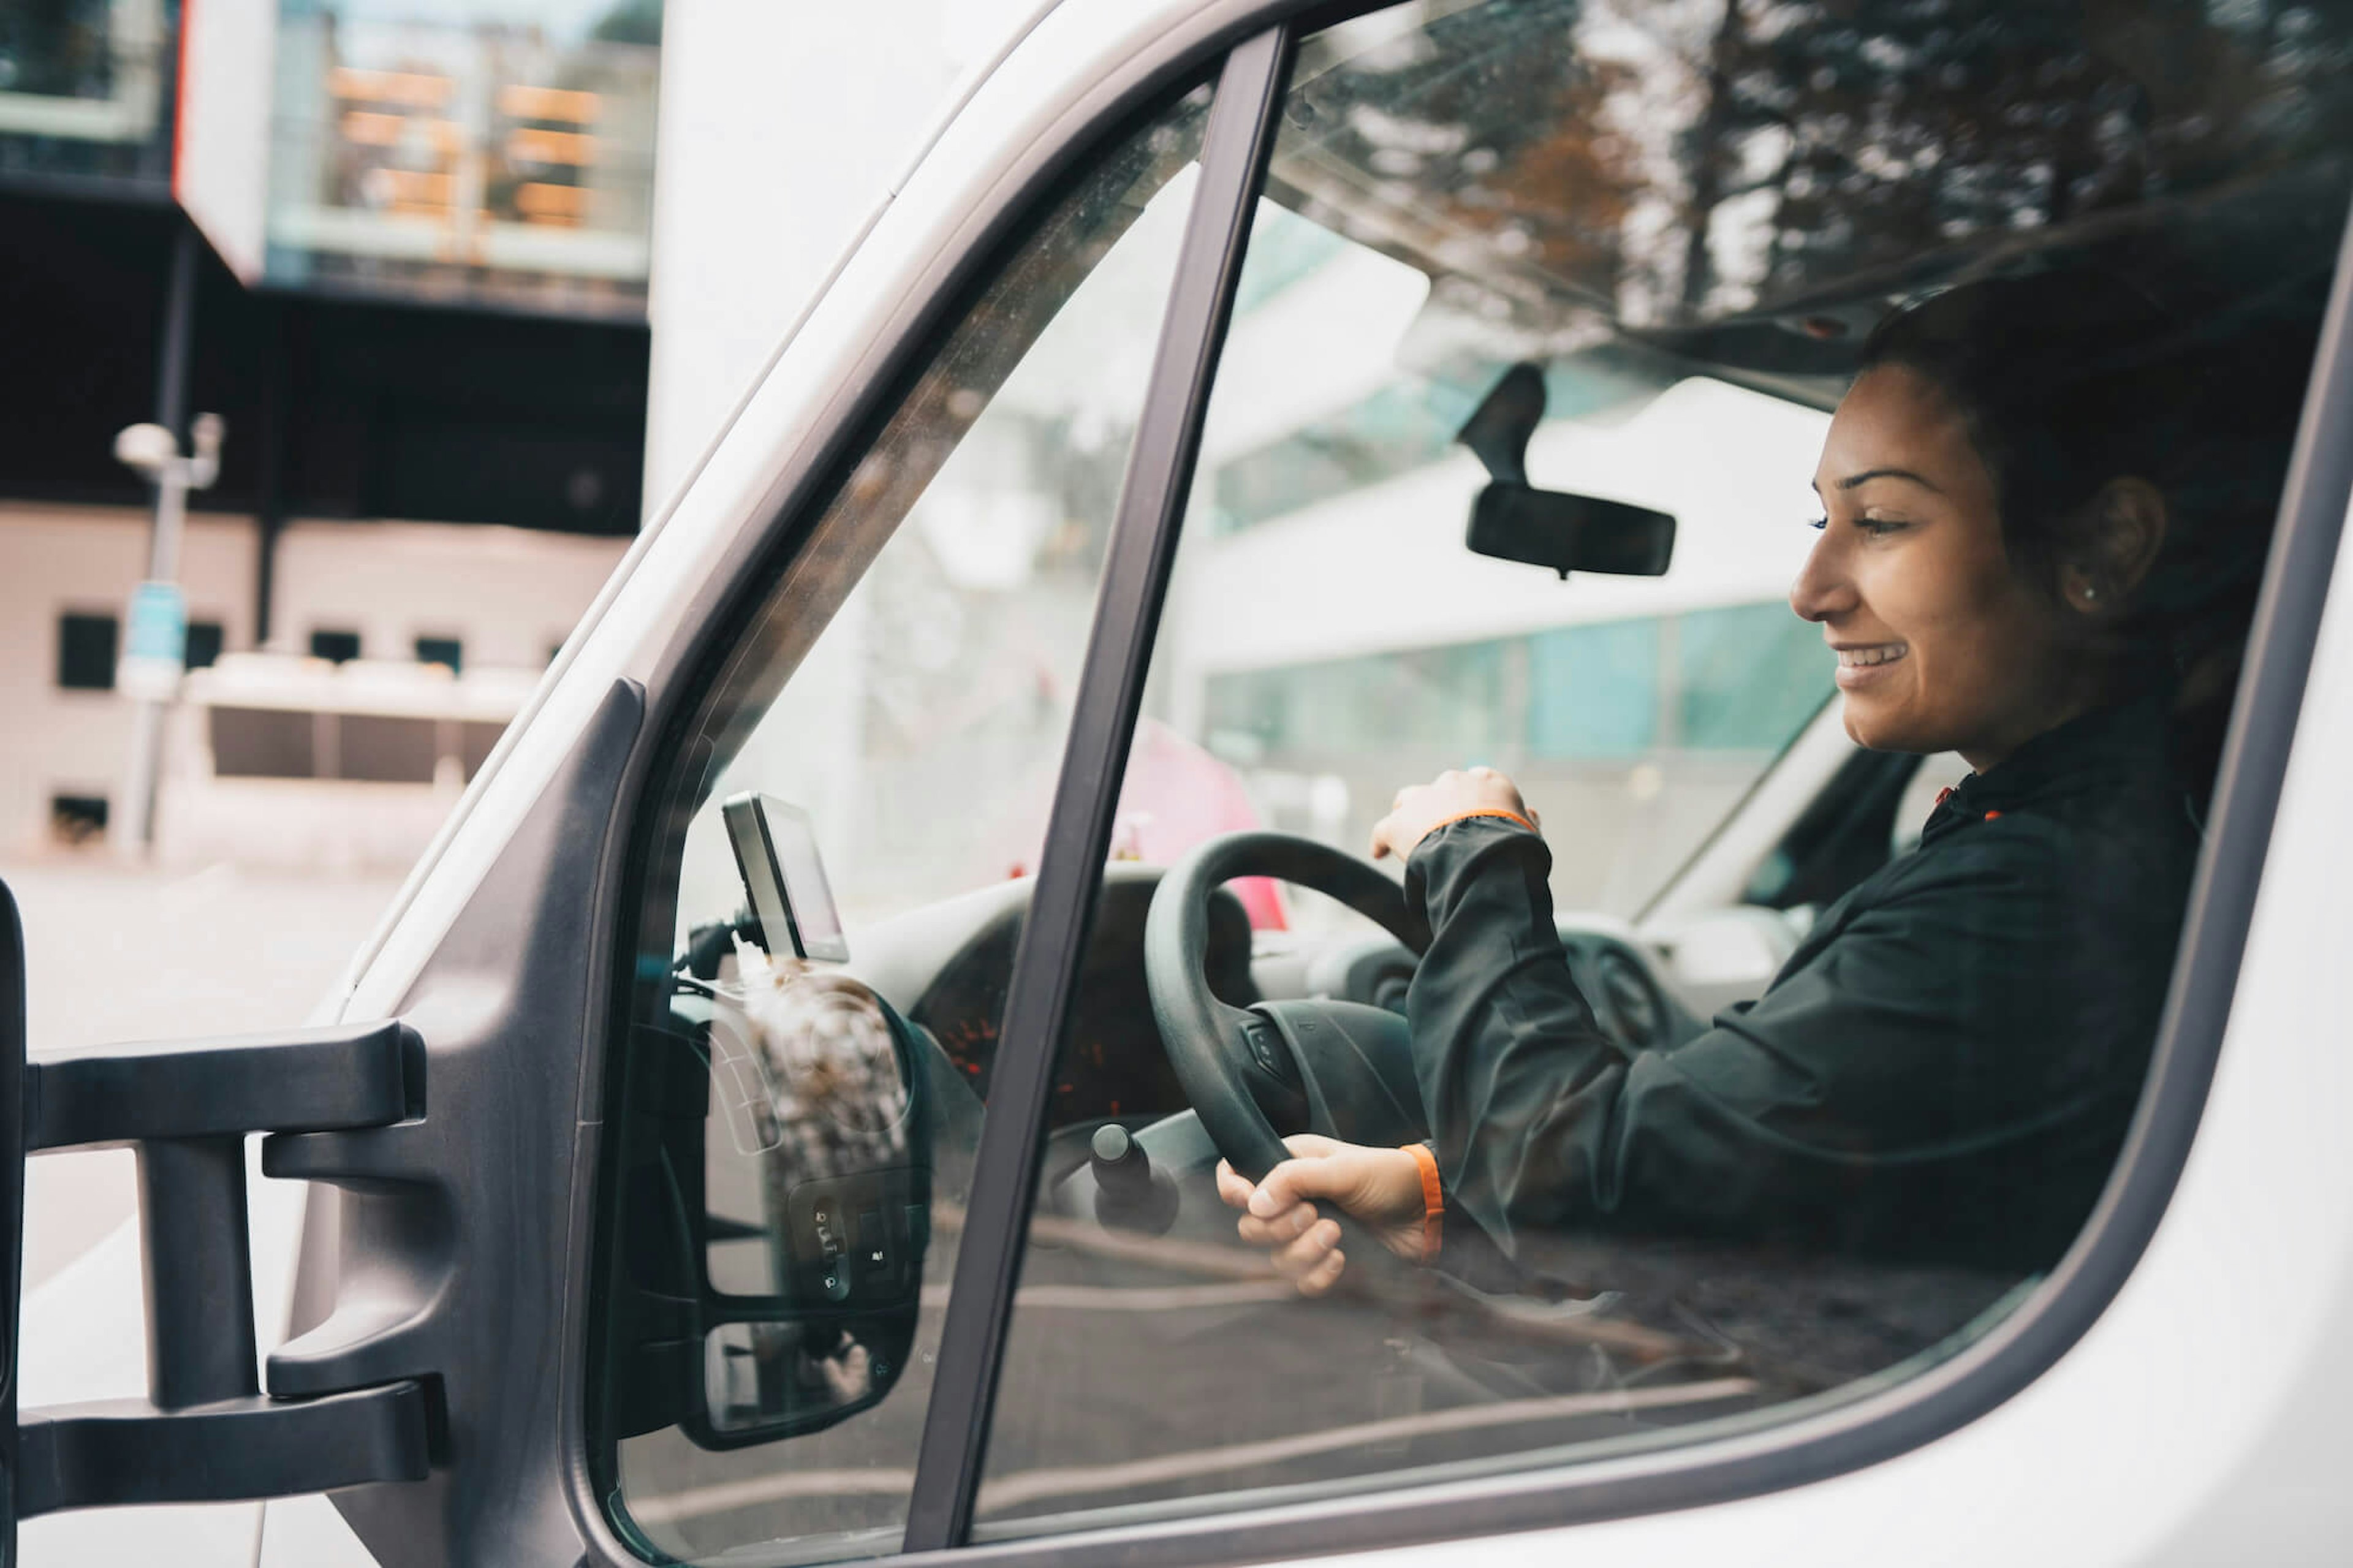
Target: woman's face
(1942,644)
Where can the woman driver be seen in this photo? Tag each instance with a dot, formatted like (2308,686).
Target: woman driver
(2041,516)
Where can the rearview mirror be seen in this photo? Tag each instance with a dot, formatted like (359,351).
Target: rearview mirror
(1512,521)
(1570,533)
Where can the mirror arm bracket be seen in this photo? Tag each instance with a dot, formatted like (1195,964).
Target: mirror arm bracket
(123,1452)
(206,1432)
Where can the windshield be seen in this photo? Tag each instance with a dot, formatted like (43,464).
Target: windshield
(1666,167)
(1328,637)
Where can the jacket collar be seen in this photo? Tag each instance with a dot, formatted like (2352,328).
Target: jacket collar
(2095,754)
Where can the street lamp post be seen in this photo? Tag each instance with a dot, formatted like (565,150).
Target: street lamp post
(156,646)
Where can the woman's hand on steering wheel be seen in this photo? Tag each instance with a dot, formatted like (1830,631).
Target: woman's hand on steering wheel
(1379,1189)
(1419,808)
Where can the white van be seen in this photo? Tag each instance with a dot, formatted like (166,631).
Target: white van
(777,1122)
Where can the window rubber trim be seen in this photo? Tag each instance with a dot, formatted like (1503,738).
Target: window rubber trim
(1235,145)
(1777,1456)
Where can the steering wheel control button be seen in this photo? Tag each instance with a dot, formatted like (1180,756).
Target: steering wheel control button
(1265,1047)
(1129,1193)
(873,1244)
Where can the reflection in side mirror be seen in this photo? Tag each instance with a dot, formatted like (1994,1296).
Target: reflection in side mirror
(792,1174)
(768,1379)
(1570,533)
(1511,521)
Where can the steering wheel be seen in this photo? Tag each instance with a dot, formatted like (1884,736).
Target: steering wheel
(1236,1065)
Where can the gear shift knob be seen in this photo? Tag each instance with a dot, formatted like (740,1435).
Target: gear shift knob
(1129,1193)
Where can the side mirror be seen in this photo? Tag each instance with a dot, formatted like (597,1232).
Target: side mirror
(815,1216)
(780,1187)
(1512,521)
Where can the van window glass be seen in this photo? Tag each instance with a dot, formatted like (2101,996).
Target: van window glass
(2014,304)
(840,842)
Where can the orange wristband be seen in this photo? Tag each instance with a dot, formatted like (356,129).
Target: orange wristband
(1490,811)
(1433,1198)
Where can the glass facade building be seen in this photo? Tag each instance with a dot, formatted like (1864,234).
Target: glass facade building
(85,89)
(499,155)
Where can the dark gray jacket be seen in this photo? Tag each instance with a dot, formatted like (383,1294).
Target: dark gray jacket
(1942,1072)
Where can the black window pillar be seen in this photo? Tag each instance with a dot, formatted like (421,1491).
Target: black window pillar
(1234,150)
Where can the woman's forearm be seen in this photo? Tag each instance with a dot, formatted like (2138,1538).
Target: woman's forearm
(1520,1083)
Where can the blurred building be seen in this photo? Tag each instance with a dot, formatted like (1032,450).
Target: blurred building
(413,250)
(403,246)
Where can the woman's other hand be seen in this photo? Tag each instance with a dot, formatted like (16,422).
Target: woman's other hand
(1379,1189)
(1419,808)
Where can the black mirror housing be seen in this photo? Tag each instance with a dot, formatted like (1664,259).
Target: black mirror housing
(1569,532)
(1512,521)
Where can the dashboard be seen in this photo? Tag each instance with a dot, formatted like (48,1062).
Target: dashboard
(808,1143)
(1112,1066)
(946,968)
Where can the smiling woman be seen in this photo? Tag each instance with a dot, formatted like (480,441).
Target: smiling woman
(2036,503)
(1941,645)
(2016,489)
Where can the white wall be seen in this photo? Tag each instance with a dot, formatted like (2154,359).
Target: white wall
(509,595)
(512,595)
(782,123)
(59,560)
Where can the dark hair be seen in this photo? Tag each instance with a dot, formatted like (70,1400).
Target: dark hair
(2067,380)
